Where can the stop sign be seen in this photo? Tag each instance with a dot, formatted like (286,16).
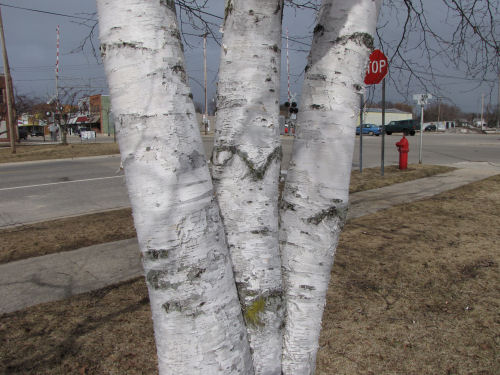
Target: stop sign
(377,68)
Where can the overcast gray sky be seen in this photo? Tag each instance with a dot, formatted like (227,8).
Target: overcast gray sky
(31,46)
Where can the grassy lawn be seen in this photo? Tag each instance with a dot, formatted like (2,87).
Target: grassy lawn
(414,290)
(56,151)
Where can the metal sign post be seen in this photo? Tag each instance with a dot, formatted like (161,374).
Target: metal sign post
(361,105)
(421,100)
(376,72)
(383,130)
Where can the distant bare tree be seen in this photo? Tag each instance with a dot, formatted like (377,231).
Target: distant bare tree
(468,40)
(442,112)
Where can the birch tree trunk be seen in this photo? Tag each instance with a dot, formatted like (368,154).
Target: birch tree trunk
(315,199)
(197,317)
(246,167)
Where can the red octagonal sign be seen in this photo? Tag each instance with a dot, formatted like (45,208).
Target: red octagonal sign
(377,68)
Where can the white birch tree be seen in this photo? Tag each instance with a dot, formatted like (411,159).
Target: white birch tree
(198,322)
(197,317)
(246,167)
(315,200)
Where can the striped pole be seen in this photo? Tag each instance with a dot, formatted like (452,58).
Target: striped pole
(57,66)
(288,66)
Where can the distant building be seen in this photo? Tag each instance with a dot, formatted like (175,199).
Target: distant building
(95,113)
(374,116)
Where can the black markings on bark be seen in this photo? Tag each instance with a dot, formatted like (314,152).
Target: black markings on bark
(268,79)
(317,106)
(360,38)
(307,68)
(307,287)
(176,34)
(179,69)
(263,231)
(337,210)
(182,308)
(275,48)
(250,12)
(317,77)
(105,47)
(257,173)
(192,161)
(195,273)
(157,280)
(228,10)
(169,4)
(155,254)
(319,29)
(285,206)
(357,87)
(172,306)
(278,8)
(190,95)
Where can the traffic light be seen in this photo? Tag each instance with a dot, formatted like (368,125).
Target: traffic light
(293,108)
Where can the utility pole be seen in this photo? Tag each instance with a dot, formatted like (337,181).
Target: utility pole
(482,111)
(205,116)
(8,91)
(498,104)
(439,111)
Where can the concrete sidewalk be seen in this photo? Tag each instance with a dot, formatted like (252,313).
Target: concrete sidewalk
(57,276)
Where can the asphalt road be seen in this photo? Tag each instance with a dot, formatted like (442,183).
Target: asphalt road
(37,191)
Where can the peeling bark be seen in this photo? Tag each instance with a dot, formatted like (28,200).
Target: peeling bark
(198,323)
(316,192)
(246,165)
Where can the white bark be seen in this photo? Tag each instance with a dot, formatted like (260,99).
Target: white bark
(315,200)
(197,317)
(246,166)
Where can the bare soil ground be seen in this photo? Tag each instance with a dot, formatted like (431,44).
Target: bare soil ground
(414,290)
(56,151)
(73,233)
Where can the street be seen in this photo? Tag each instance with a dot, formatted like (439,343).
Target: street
(37,191)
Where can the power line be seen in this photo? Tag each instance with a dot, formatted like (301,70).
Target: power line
(47,12)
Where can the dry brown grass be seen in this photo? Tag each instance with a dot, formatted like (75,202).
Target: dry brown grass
(57,151)
(372,179)
(65,234)
(414,290)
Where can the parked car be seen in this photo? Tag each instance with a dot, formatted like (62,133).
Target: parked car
(403,126)
(369,129)
(430,128)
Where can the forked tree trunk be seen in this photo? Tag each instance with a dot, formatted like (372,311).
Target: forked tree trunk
(315,199)
(197,317)
(246,167)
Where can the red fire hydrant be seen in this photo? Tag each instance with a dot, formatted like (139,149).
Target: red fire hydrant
(403,148)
